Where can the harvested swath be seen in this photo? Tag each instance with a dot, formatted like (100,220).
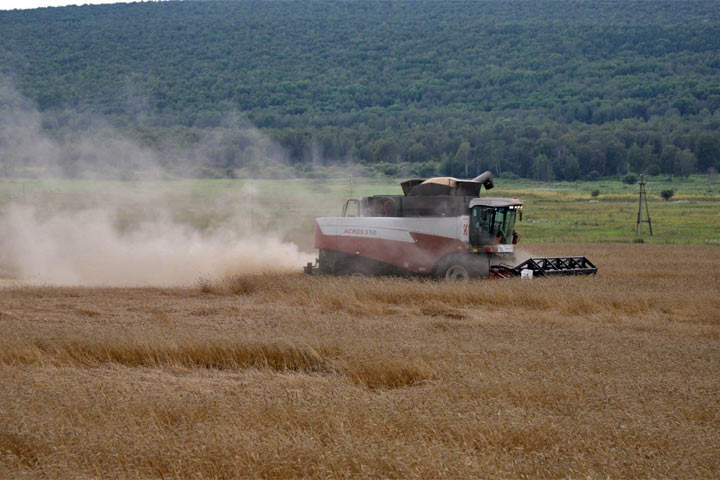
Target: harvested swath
(387,372)
(218,354)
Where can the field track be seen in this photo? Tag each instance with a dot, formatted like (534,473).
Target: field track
(286,376)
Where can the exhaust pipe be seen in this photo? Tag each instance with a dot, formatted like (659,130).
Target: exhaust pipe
(486,178)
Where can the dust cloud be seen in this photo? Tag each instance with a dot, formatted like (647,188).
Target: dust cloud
(522,254)
(86,248)
(82,237)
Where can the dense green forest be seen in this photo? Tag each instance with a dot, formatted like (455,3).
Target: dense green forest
(543,89)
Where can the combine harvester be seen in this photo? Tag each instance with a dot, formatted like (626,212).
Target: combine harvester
(439,227)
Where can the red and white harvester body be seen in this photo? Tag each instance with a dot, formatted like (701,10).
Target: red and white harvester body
(439,227)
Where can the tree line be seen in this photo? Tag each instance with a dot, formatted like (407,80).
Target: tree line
(545,90)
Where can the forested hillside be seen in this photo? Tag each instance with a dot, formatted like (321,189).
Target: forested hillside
(549,90)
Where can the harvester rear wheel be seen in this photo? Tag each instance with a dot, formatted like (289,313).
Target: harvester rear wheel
(457,273)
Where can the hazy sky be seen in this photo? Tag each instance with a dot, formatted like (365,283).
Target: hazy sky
(12,4)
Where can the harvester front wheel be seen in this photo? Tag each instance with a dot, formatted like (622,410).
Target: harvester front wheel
(457,273)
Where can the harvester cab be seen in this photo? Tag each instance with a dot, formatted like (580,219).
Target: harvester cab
(492,222)
(438,227)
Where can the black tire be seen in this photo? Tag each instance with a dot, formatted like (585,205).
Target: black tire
(457,273)
(463,267)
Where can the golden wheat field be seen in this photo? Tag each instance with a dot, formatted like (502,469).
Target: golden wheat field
(286,376)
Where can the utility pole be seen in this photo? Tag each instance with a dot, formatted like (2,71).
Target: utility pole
(643,199)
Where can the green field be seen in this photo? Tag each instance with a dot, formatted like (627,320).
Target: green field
(559,212)
(553,212)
